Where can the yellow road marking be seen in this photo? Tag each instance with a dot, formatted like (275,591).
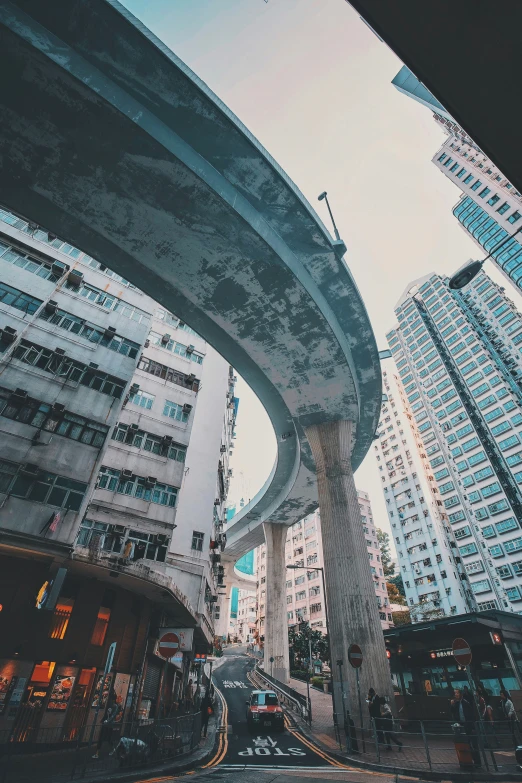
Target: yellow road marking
(223,738)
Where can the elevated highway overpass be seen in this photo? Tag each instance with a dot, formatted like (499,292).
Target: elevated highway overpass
(111,142)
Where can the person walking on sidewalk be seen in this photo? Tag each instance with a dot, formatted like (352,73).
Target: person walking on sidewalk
(107,729)
(463,713)
(374,708)
(206,712)
(387,725)
(508,711)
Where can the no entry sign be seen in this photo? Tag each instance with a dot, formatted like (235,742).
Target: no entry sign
(461,652)
(168,645)
(355,656)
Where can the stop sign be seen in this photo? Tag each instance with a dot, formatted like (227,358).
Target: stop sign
(461,652)
(168,645)
(355,656)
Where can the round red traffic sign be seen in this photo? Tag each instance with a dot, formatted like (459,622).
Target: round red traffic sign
(355,656)
(461,651)
(168,645)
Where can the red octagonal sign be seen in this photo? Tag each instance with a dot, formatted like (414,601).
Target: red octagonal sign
(168,645)
(462,652)
(355,656)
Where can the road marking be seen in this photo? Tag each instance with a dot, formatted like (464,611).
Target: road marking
(317,750)
(223,737)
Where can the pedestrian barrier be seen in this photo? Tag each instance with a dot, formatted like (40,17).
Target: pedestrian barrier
(29,754)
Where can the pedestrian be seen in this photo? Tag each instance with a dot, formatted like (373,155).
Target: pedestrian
(462,712)
(387,725)
(487,717)
(107,730)
(189,694)
(206,712)
(508,710)
(374,708)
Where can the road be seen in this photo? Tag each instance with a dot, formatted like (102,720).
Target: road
(279,757)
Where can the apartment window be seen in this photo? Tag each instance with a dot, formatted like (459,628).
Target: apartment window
(178,348)
(496,550)
(197,540)
(513,593)
(476,185)
(108,301)
(514,217)
(16,298)
(300,596)
(506,525)
(175,411)
(454,168)
(461,173)
(299,580)
(168,374)
(503,208)
(95,334)
(142,399)
(100,626)
(508,443)
(138,487)
(153,443)
(494,200)
(482,586)
(43,416)
(468,179)
(515,545)
(68,369)
(315,608)
(19,259)
(43,487)
(289,599)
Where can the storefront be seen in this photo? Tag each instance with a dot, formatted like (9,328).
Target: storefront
(425,673)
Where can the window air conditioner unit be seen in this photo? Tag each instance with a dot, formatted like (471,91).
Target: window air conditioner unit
(147,343)
(75,278)
(58,407)
(217,502)
(189,349)
(93,365)
(165,338)
(187,408)
(230,471)
(126,474)
(119,529)
(29,469)
(190,379)
(110,331)
(8,335)
(59,352)
(150,482)
(167,440)
(51,306)
(19,394)
(223,449)
(59,268)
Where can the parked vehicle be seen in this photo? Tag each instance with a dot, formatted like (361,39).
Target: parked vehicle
(264,711)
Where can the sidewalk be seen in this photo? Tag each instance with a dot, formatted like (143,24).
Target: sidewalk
(431,754)
(68,765)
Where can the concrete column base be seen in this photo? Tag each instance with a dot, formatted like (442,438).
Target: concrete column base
(276,624)
(352,604)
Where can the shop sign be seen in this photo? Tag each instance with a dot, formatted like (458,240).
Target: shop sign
(16,696)
(185,636)
(6,689)
(61,693)
(104,691)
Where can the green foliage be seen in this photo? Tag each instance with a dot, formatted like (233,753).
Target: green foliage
(399,584)
(401,618)
(299,644)
(299,674)
(388,566)
(317,681)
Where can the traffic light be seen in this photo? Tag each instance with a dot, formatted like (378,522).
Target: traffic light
(496,638)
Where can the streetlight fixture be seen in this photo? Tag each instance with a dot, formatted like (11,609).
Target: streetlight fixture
(339,243)
(294,567)
(465,275)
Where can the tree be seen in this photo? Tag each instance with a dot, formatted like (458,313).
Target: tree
(394,595)
(398,582)
(298,641)
(401,618)
(388,566)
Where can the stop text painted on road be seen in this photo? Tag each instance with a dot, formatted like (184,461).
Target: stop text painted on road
(234,684)
(266,746)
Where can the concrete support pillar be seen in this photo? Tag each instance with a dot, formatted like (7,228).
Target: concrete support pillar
(352,604)
(276,624)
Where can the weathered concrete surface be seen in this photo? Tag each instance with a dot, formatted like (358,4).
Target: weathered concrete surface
(354,616)
(276,624)
(111,142)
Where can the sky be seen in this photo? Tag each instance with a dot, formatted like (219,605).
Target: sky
(312,82)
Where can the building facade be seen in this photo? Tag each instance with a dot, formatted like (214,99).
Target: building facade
(117,422)
(457,369)
(304,585)
(490,207)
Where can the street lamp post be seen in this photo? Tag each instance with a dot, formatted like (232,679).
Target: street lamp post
(319,568)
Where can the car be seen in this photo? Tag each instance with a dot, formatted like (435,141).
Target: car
(264,711)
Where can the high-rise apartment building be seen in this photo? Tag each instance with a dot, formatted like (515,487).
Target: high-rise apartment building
(458,365)
(116,423)
(304,585)
(490,207)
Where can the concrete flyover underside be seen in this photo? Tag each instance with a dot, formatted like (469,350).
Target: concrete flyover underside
(111,142)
